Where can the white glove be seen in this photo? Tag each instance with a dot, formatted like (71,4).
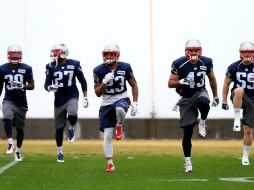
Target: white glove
(185,81)
(17,85)
(215,102)
(108,77)
(85,102)
(134,108)
(52,88)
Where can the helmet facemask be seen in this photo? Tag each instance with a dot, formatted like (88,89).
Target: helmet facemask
(110,54)
(59,51)
(193,54)
(246,51)
(193,50)
(14,54)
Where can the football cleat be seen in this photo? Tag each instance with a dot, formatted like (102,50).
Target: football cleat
(10,149)
(188,167)
(202,129)
(18,156)
(119,132)
(237,125)
(71,135)
(245,162)
(60,157)
(110,168)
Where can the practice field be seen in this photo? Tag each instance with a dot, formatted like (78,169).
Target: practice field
(140,164)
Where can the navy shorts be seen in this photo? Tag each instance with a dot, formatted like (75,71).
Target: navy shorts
(107,114)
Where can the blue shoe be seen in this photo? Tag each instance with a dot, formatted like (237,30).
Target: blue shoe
(18,157)
(71,136)
(10,149)
(60,157)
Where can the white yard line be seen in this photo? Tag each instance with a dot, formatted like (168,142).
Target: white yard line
(187,180)
(7,166)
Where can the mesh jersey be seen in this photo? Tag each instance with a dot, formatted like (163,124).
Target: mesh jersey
(116,89)
(241,76)
(196,72)
(22,74)
(64,76)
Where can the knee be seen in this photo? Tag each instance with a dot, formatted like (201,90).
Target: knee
(248,131)
(20,130)
(120,110)
(72,119)
(203,101)
(238,92)
(108,135)
(59,131)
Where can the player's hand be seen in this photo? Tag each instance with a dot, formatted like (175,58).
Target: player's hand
(134,108)
(215,102)
(185,81)
(52,88)
(17,85)
(85,102)
(225,106)
(108,77)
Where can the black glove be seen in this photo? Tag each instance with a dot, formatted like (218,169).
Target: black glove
(225,106)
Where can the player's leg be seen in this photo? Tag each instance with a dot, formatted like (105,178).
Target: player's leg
(187,145)
(203,107)
(107,123)
(237,103)
(247,142)
(72,111)
(108,148)
(8,115)
(20,138)
(60,121)
(19,124)
(121,110)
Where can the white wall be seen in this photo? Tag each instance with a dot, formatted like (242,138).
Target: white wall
(86,26)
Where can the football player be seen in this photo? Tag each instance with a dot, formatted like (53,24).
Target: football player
(110,82)
(241,74)
(188,75)
(61,76)
(17,77)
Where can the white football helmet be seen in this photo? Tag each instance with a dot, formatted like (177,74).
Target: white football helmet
(59,51)
(14,54)
(193,49)
(111,53)
(246,51)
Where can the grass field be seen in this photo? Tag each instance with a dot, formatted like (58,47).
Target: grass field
(140,164)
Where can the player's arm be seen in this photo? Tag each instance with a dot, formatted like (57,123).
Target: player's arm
(225,89)
(83,83)
(99,89)
(134,85)
(29,85)
(1,86)
(81,79)
(49,79)
(213,83)
(173,81)
(101,84)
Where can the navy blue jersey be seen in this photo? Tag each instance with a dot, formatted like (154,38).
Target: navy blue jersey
(122,73)
(242,76)
(196,72)
(22,74)
(64,76)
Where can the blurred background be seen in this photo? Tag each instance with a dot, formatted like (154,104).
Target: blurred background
(150,33)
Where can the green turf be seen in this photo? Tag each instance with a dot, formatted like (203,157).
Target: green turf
(144,172)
